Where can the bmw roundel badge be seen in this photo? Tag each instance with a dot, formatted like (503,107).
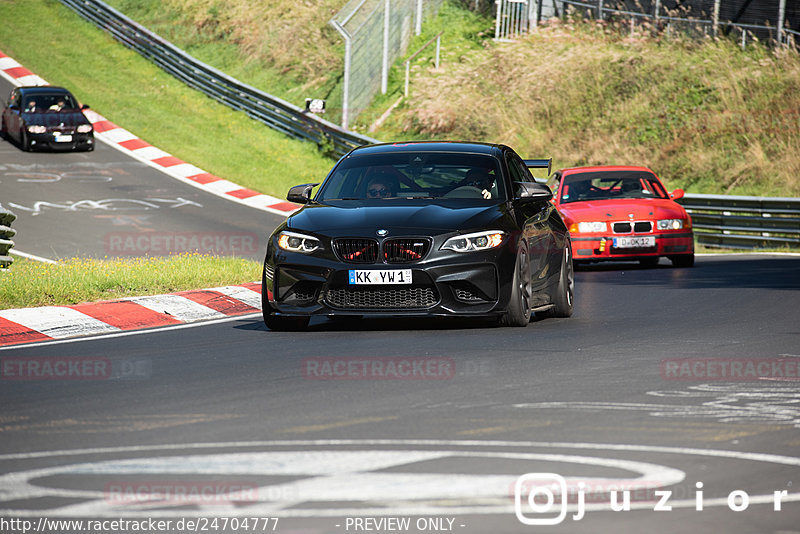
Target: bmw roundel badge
(382,232)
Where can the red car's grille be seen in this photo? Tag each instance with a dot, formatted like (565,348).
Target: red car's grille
(639,227)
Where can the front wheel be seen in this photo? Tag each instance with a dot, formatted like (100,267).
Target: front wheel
(519,304)
(279,323)
(683,260)
(25,142)
(565,292)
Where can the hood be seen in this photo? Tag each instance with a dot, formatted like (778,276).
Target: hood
(639,209)
(53,119)
(353,217)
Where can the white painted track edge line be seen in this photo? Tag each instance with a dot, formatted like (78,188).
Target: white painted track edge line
(31,256)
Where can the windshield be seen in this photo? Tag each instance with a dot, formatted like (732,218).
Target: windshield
(44,102)
(605,185)
(388,177)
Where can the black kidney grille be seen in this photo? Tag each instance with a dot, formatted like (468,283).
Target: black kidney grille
(381,299)
(405,250)
(622,227)
(356,250)
(643,227)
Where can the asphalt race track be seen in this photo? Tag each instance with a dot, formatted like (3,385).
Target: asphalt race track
(105,203)
(367,424)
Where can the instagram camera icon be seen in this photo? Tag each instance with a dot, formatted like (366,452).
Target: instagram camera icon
(535,487)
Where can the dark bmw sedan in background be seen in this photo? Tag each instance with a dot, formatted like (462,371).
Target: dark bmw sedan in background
(39,117)
(420,229)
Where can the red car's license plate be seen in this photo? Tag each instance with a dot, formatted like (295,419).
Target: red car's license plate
(635,242)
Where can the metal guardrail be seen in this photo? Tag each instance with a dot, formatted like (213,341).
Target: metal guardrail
(270,110)
(744,222)
(6,233)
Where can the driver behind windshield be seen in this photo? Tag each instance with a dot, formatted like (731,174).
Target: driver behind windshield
(381,185)
(480,178)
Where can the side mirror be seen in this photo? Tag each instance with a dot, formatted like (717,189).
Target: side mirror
(533,191)
(677,194)
(300,194)
(85,106)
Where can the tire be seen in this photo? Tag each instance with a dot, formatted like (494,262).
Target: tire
(25,143)
(279,323)
(649,261)
(3,132)
(683,260)
(563,302)
(519,304)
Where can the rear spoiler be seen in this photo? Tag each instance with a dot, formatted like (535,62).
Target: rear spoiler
(540,164)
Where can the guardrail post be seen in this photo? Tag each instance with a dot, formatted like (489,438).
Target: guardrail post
(599,9)
(781,18)
(6,233)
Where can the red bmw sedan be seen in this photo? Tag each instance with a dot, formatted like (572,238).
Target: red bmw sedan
(617,213)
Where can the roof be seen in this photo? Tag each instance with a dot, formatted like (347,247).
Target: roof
(427,146)
(42,89)
(601,168)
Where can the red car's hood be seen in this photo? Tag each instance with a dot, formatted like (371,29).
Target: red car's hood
(622,210)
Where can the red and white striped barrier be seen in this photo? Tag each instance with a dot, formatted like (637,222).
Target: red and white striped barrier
(127,142)
(49,323)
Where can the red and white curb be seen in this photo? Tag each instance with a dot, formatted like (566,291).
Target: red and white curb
(48,323)
(128,143)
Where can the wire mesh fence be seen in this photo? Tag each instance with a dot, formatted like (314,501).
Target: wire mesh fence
(375,33)
(767,20)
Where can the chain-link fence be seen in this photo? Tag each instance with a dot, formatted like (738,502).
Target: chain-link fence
(768,20)
(375,33)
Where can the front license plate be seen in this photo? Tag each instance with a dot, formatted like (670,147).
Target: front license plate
(380,277)
(635,242)
(63,138)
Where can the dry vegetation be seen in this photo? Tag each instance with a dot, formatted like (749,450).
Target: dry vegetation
(293,37)
(704,114)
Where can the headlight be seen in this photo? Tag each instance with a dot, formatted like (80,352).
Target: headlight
(592,227)
(84,128)
(36,129)
(670,224)
(293,242)
(473,242)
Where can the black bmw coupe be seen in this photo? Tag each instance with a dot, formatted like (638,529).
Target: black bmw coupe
(420,229)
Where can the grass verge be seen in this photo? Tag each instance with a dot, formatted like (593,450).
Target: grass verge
(29,283)
(58,45)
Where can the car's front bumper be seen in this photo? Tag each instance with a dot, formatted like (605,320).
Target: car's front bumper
(476,284)
(596,247)
(77,141)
